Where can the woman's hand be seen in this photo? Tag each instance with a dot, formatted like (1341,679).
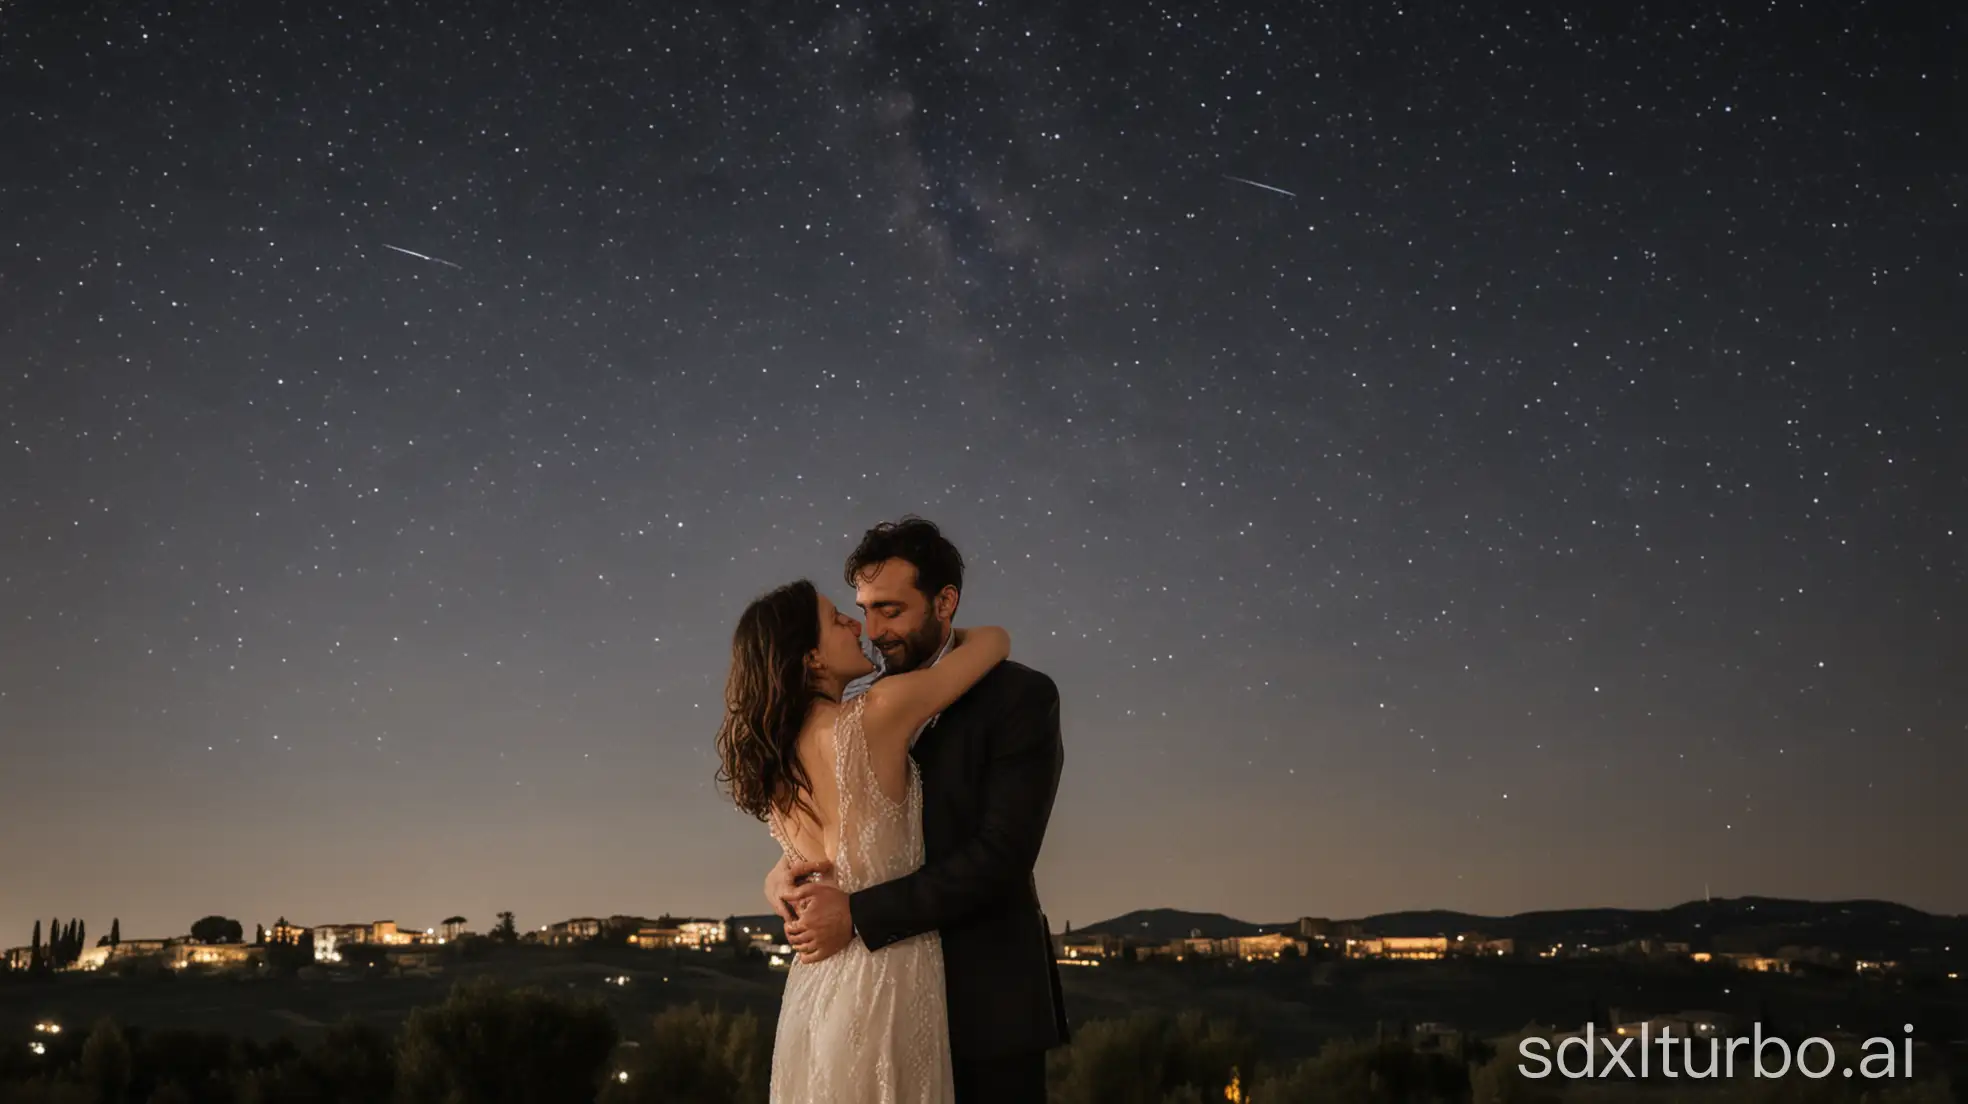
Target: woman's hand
(783,880)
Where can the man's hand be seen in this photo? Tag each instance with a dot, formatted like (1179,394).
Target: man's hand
(824,926)
(784,879)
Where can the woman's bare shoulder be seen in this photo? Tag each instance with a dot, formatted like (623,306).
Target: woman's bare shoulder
(882,717)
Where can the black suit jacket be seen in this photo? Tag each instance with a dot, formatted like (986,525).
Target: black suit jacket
(990,768)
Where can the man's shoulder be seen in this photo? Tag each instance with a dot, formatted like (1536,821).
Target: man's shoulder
(1013,681)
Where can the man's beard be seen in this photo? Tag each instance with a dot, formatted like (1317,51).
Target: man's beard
(916,650)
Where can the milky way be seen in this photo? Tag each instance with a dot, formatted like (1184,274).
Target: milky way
(1555,500)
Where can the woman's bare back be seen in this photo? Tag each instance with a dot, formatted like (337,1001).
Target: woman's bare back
(887,758)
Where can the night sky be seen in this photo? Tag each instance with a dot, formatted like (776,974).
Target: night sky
(1490,462)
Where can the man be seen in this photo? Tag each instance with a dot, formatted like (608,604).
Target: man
(990,768)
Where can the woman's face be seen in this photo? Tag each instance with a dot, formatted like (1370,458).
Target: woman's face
(840,644)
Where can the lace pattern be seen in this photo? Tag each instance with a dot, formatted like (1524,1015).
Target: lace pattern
(866,1026)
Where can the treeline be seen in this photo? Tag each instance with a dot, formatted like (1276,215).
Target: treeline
(64,943)
(486,1044)
(483,1043)
(1153,1058)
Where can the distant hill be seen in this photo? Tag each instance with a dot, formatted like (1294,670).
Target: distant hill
(1752,924)
(1427,922)
(1168,924)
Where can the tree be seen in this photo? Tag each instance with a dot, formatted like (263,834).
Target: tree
(81,941)
(470,947)
(107,1065)
(496,1046)
(1377,1070)
(115,931)
(506,932)
(1154,1056)
(356,1061)
(695,1053)
(217,929)
(1500,1081)
(287,955)
(34,949)
(259,935)
(617,931)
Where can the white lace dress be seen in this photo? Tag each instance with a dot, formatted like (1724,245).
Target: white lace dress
(866,1027)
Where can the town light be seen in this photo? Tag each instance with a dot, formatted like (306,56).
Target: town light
(38,1047)
(623,1077)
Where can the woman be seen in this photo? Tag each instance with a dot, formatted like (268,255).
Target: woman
(835,781)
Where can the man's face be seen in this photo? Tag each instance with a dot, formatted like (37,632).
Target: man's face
(901,622)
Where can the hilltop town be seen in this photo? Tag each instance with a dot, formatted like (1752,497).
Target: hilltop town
(218,943)
(1767,936)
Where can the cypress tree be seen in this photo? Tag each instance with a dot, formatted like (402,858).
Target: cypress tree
(115,931)
(34,951)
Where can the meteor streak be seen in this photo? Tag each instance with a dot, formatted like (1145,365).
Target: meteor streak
(438,260)
(1255,184)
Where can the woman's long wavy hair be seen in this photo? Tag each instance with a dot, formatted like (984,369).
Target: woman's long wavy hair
(765,702)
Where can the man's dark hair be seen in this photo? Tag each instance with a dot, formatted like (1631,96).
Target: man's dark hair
(937,562)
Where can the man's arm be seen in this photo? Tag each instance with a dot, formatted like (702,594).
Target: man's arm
(1021,781)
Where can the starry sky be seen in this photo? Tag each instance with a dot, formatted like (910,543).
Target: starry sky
(1446,459)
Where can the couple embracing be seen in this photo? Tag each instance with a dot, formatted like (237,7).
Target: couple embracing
(909,817)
